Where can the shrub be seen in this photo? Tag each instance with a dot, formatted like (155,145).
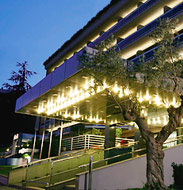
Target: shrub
(177,175)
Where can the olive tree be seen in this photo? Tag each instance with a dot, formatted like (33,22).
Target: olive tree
(163,71)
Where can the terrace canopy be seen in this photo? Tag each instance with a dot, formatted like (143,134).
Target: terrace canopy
(64,94)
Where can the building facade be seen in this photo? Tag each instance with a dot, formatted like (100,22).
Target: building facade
(62,96)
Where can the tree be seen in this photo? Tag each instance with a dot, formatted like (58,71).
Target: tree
(162,72)
(20,78)
(13,122)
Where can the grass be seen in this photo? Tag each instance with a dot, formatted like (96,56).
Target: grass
(4,169)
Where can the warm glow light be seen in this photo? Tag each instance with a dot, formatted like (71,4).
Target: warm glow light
(105,85)
(147,96)
(154,121)
(174,102)
(97,119)
(59,103)
(90,118)
(158,120)
(165,121)
(157,100)
(166,102)
(86,86)
(98,89)
(92,82)
(181,120)
(115,88)
(140,99)
(127,91)
(121,93)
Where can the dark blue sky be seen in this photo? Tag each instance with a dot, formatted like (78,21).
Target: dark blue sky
(32,30)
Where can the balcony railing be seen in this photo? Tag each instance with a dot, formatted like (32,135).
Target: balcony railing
(54,177)
(149,54)
(150,27)
(137,12)
(87,142)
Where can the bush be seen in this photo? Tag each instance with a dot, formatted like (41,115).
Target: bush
(177,175)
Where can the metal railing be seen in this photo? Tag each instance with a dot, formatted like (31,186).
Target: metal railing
(87,142)
(174,12)
(54,176)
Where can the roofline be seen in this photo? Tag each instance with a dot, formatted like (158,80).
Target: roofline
(114,6)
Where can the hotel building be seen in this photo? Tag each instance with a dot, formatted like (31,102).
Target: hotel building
(61,99)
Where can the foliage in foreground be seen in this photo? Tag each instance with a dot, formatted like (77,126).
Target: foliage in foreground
(177,175)
(164,70)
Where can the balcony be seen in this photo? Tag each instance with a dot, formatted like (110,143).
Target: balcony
(149,54)
(146,30)
(123,22)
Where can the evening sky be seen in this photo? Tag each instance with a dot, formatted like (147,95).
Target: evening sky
(32,30)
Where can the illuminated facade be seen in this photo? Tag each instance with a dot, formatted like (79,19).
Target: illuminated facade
(63,94)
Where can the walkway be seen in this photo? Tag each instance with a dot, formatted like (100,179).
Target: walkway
(6,188)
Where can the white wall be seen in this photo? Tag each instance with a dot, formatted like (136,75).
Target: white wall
(131,173)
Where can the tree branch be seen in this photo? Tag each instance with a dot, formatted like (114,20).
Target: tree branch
(175,116)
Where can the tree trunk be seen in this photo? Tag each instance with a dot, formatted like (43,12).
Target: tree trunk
(155,173)
(155,155)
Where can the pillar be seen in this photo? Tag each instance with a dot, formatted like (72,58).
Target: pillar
(110,136)
(42,142)
(34,143)
(51,125)
(60,140)
(33,148)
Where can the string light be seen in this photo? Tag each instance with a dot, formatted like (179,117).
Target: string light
(147,96)
(157,100)
(127,91)
(115,88)
(140,99)
(165,121)
(60,103)
(121,93)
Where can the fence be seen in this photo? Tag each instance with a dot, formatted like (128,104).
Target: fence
(87,142)
(56,171)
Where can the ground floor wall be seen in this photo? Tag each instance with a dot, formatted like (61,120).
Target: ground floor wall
(131,173)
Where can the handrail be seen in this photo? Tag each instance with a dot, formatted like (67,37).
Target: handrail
(135,151)
(105,161)
(39,182)
(116,156)
(47,159)
(149,53)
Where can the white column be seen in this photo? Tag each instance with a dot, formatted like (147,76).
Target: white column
(88,141)
(42,142)
(51,128)
(71,143)
(85,142)
(34,144)
(33,148)
(60,141)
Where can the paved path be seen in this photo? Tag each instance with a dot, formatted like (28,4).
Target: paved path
(6,188)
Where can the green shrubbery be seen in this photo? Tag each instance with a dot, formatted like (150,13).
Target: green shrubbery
(178,176)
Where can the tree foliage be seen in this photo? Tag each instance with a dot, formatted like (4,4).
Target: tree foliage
(166,66)
(13,122)
(20,78)
(104,63)
(164,71)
